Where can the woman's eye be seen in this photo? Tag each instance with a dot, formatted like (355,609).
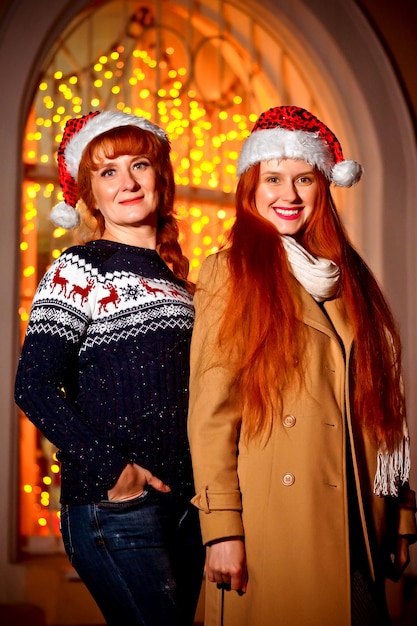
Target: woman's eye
(107,172)
(273,179)
(140,165)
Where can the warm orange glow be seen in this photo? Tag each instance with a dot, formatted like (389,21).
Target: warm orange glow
(205,103)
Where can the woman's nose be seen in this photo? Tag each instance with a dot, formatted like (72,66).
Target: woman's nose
(129,181)
(289,192)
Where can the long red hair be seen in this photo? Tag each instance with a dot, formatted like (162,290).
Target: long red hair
(263,326)
(136,141)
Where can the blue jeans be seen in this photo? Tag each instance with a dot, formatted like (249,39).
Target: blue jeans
(142,560)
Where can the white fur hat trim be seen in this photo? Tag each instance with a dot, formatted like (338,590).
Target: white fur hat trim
(280,143)
(100,124)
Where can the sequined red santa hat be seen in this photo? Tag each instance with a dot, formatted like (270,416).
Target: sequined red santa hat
(77,135)
(289,132)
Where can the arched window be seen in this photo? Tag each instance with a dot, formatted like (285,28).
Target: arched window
(201,70)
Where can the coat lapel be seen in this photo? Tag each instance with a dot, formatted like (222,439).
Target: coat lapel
(331,321)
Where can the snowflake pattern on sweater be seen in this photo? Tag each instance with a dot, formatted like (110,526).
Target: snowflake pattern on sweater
(104,368)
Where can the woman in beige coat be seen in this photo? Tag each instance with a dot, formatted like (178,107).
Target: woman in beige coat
(297,419)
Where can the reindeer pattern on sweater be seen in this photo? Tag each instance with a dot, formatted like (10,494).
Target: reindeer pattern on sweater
(104,367)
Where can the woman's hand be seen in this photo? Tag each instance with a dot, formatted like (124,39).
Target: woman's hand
(133,481)
(399,559)
(226,564)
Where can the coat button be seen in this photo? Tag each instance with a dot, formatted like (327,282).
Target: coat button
(288,479)
(289,421)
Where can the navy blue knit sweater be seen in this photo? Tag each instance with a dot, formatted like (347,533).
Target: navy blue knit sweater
(104,368)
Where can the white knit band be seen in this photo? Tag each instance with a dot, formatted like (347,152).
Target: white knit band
(100,124)
(279,143)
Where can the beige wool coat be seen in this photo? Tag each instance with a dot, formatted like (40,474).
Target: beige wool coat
(286,495)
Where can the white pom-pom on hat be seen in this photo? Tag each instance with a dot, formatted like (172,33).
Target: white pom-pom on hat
(346,173)
(65,216)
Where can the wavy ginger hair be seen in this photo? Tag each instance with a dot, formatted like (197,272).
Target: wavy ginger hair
(133,140)
(262,323)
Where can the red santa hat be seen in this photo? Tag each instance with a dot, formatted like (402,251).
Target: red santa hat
(77,135)
(289,132)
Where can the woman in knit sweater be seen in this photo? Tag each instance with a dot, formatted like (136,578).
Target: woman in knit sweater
(104,373)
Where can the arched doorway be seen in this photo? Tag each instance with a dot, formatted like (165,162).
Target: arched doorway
(203,72)
(361,100)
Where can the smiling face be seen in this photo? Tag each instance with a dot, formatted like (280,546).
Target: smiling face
(124,189)
(126,182)
(286,194)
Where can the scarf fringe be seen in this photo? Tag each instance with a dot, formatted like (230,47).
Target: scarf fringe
(393,469)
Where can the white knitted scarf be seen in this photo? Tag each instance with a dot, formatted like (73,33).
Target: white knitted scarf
(320,278)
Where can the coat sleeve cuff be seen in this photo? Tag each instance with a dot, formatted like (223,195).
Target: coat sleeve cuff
(407,516)
(209,501)
(221,525)
(220,514)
